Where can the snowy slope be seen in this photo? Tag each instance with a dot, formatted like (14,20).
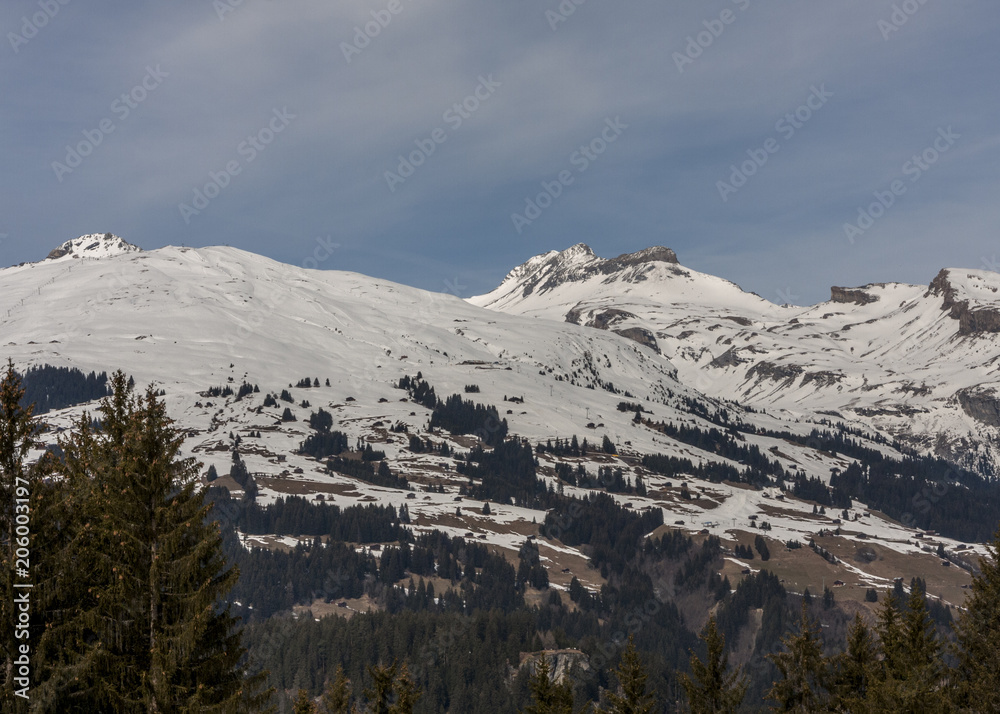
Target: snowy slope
(187,320)
(919,363)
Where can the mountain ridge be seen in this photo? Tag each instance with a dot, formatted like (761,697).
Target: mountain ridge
(913,361)
(193,322)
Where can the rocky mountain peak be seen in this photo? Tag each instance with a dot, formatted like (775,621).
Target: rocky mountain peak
(580,251)
(93,245)
(967,296)
(579,263)
(655,254)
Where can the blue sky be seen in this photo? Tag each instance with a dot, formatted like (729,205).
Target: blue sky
(293,116)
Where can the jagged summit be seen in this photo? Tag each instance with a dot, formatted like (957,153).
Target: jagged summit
(655,254)
(917,361)
(578,263)
(93,245)
(971,297)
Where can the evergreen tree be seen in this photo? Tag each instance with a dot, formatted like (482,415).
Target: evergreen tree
(890,634)
(18,497)
(547,696)
(978,634)
(303,703)
(912,676)
(803,670)
(148,635)
(854,669)
(761,545)
(709,689)
(393,691)
(337,697)
(632,682)
(923,651)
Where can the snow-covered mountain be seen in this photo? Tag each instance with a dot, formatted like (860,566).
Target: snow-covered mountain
(188,320)
(95,245)
(921,363)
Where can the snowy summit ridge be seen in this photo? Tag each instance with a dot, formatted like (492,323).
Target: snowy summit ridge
(577,264)
(93,245)
(917,362)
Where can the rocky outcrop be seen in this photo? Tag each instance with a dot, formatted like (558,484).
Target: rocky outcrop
(981,405)
(561,662)
(640,335)
(855,296)
(94,245)
(604,319)
(822,379)
(656,254)
(775,372)
(729,358)
(971,320)
(578,263)
(981,321)
(941,287)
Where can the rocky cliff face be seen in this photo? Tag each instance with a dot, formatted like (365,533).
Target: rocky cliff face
(656,254)
(640,335)
(561,662)
(856,296)
(972,320)
(981,404)
(975,322)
